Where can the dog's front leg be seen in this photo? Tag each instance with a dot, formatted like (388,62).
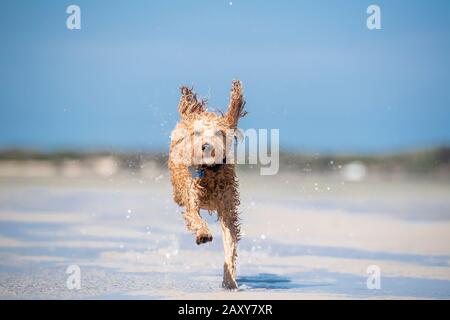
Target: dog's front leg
(230,233)
(195,223)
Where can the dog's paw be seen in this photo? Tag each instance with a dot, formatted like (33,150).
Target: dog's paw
(229,277)
(203,237)
(230,284)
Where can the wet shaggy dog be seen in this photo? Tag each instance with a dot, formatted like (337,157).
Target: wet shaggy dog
(202,178)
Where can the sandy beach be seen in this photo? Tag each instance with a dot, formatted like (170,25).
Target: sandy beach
(305,236)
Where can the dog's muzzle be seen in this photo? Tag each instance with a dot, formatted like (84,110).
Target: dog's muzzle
(200,171)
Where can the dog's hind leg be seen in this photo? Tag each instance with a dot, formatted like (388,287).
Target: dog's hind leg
(196,224)
(230,233)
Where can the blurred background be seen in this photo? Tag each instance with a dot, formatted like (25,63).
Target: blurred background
(85,122)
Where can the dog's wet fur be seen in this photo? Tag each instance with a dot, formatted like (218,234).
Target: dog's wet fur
(208,184)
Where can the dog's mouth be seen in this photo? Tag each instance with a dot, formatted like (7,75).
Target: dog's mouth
(199,171)
(212,164)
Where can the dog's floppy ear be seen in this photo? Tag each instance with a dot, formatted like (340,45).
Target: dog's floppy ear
(189,103)
(237,103)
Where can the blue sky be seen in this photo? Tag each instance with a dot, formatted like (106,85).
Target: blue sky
(310,68)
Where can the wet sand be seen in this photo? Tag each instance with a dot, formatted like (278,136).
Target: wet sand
(305,236)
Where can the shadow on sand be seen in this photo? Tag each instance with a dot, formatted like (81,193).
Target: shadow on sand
(271,281)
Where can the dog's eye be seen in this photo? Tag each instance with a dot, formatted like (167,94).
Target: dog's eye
(219,133)
(197,133)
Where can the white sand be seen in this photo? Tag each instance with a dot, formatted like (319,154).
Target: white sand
(305,237)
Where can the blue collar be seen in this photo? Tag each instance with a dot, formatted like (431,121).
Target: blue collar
(196,173)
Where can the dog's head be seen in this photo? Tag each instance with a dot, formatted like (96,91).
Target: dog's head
(204,138)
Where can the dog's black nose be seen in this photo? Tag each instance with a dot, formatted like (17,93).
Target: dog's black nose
(205,146)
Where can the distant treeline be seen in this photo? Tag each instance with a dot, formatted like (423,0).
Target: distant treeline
(419,161)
